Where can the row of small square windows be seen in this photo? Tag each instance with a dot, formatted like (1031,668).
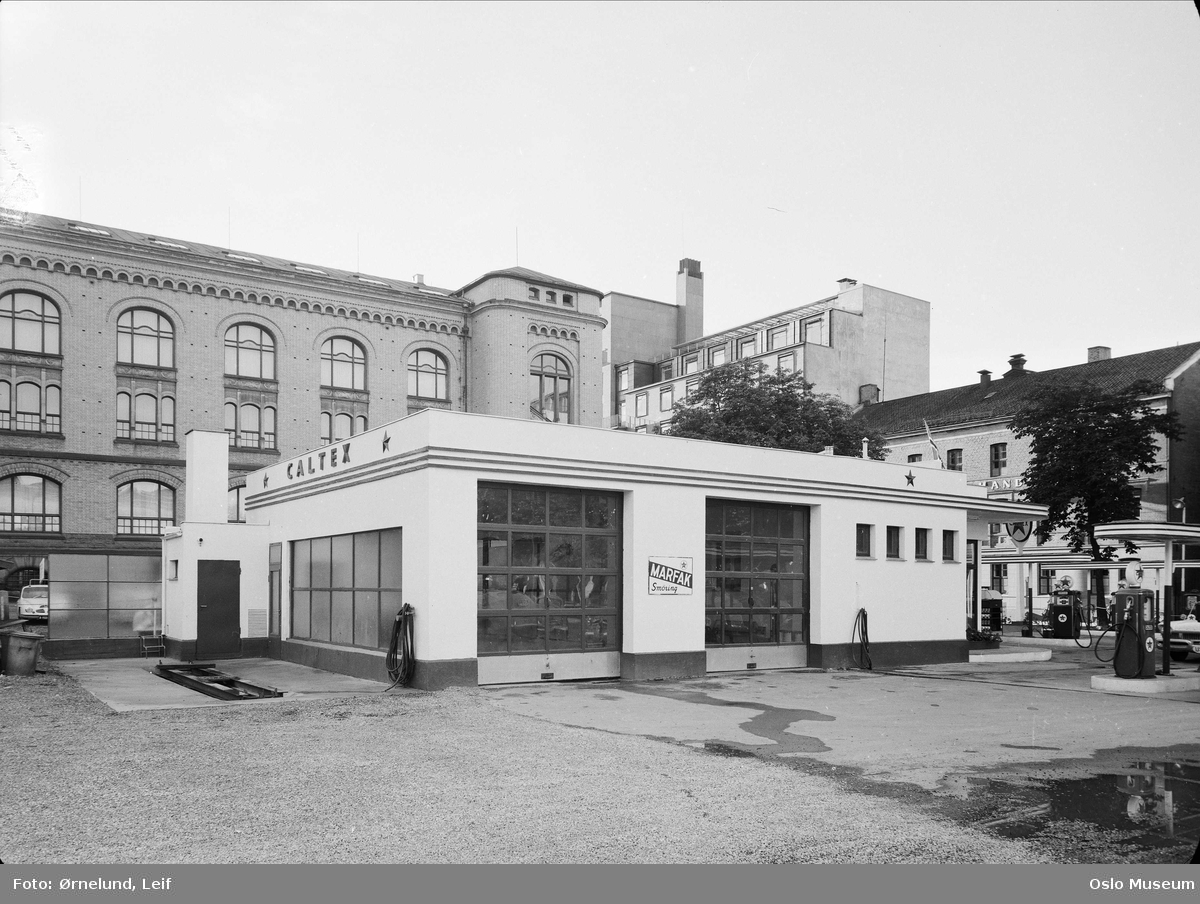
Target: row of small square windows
(997,459)
(864,543)
(552,297)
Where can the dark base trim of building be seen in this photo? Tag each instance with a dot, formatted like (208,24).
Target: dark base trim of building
(653,666)
(888,655)
(372,665)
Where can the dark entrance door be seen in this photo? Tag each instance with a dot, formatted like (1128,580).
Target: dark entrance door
(218,609)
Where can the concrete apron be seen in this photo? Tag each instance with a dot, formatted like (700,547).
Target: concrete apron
(125,685)
(927,726)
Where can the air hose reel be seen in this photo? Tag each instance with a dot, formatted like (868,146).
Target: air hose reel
(400,662)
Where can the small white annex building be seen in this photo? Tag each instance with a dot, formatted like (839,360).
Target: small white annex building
(533,551)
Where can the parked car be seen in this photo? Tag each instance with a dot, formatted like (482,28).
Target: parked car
(1185,638)
(34,602)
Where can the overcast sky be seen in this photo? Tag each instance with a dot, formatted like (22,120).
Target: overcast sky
(1030,169)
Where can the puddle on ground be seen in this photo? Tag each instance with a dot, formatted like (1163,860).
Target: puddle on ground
(769,722)
(1149,803)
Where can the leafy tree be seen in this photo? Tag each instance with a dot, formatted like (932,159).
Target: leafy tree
(1087,445)
(742,403)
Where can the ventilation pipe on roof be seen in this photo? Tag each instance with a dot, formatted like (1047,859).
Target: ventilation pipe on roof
(1016,366)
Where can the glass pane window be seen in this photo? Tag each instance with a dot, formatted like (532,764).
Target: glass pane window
(236,504)
(748,547)
(550,389)
(145,417)
(28,415)
(428,375)
(894,535)
(999,459)
(547,553)
(144,507)
(347,588)
(29,323)
(30,407)
(862,540)
(29,502)
(249,352)
(145,337)
(949,545)
(249,426)
(343,364)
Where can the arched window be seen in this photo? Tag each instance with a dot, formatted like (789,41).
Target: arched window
(145,417)
(145,337)
(29,407)
(343,364)
(30,503)
(29,413)
(29,323)
(250,427)
(550,389)
(144,507)
(249,352)
(53,409)
(428,375)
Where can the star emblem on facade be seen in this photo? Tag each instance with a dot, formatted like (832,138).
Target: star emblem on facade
(911,478)
(386,439)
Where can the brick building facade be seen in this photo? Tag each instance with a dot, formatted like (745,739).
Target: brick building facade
(114,344)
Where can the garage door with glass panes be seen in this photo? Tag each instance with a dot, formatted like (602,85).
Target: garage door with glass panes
(549,570)
(756,574)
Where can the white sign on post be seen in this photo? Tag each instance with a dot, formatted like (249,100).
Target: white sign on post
(670,576)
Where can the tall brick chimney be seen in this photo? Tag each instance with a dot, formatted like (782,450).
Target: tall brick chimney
(689,299)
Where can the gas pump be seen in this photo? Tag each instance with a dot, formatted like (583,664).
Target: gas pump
(1133,622)
(1066,611)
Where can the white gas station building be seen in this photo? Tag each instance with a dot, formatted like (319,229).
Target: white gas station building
(534,551)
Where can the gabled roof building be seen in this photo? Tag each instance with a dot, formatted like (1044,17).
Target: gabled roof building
(969,425)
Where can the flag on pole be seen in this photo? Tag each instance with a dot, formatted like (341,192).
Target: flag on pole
(936,450)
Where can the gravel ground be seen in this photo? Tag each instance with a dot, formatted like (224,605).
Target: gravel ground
(413,777)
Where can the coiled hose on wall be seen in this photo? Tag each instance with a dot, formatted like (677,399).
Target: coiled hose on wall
(864,645)
(400,662)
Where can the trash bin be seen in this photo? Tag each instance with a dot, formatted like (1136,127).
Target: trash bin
(19,652)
